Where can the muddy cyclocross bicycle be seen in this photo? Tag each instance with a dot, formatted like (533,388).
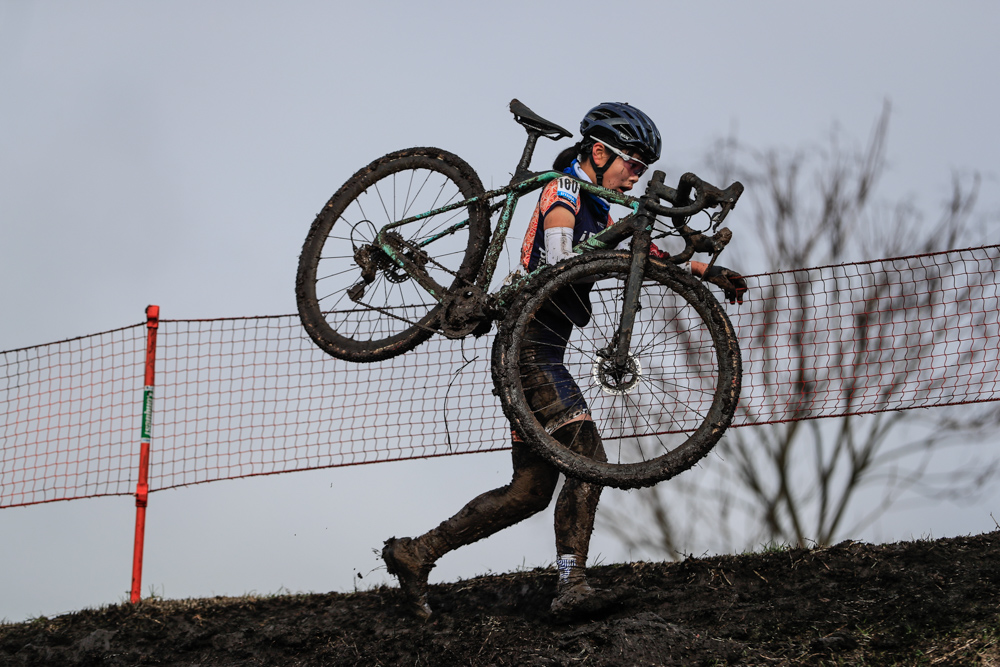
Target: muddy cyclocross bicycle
(404,250)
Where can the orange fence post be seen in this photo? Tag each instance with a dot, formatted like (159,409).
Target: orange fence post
(142,487)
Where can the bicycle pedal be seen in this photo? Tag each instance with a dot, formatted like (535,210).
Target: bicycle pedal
(484,328)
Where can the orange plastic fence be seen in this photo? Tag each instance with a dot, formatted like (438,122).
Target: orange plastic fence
(69,417)
(250,396)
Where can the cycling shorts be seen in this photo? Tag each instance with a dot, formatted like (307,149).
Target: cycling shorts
(550,390)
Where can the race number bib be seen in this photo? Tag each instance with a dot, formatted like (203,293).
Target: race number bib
(568,190)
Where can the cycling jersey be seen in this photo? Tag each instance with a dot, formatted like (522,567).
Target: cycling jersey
(571,305)
(591,213)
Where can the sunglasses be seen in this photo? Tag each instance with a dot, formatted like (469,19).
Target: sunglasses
(635,165)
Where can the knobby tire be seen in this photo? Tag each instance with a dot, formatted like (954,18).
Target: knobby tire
(658,420)
(396,186)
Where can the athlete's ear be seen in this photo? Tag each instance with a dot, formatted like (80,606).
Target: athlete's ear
(598,154)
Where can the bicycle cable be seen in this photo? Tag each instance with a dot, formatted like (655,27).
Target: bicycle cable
(447,429)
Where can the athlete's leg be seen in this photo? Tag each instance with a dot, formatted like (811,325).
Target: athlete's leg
(549,388)
(556,399)
(530,490)
(576,508)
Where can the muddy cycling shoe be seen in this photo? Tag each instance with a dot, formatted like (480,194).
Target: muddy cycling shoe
(579,600)
(571,597)
(405,560)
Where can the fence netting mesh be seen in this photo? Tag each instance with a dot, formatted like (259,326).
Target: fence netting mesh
(253,396)
(68,417)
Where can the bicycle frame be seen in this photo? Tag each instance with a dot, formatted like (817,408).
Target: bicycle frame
(609,237)
(473,305)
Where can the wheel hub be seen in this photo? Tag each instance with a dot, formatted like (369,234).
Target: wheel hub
(372,259)
(617,380)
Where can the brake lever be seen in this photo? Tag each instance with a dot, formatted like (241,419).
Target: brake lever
(720,240)
(720,215)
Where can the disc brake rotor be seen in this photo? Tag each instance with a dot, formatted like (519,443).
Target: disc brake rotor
(615,380)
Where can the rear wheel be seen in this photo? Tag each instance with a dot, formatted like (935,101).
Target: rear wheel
(386,313)
(657,414)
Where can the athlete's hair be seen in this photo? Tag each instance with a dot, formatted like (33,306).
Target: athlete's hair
(581,150)
(566,157)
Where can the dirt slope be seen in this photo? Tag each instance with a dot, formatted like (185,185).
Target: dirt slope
(925,602)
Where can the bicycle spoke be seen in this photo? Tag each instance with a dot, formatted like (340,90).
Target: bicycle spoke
(409,188)
(409,203)
(421,231)
(342,238)
(361,208)
(341,295)
(664,396)
(339,273)
(637,414)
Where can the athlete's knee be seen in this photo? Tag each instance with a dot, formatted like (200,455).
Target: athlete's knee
(531,490)
(578,492)
(581,436)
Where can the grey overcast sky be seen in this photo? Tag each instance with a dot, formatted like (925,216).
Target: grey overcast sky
(176,153)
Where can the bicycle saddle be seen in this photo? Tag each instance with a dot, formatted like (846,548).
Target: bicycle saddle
(535,123)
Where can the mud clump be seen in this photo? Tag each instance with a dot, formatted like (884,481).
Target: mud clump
(925,602)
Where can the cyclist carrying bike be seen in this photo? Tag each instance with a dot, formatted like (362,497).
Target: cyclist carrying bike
(619,142)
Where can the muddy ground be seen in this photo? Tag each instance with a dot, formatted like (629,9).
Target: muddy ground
(912,603)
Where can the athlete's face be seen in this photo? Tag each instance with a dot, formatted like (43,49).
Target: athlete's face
(620,175)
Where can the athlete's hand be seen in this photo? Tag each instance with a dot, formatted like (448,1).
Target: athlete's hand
(733,284)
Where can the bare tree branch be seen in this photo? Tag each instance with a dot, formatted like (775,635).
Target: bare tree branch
(798,482)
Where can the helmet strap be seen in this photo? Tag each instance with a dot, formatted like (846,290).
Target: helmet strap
(599,171)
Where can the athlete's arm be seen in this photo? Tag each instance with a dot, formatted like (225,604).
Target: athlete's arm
(559,216)
(558,225)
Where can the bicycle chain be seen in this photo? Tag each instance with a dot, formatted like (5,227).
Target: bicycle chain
(392,271)
(397,317)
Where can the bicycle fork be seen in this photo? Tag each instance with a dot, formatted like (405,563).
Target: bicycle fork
(618,350)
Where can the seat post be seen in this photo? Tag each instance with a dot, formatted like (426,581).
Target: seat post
(529,149)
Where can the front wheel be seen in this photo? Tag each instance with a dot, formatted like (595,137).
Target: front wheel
(657,415)
(354,301)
